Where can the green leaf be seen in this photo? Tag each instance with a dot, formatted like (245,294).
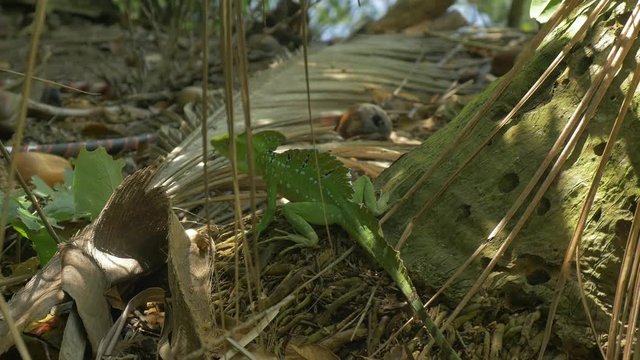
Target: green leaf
(32,222)
(30,227)
(41,241)
(21,199)
(41,190)
(20,229)
(62,206)
(60,203)
(542,10)
(68,178)
(43,244)
(95,177)
(14,205)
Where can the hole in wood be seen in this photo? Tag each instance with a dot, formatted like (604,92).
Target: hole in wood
(543,206)
(508,182)
(538,276)
(599,149)
(622,230)
(597,215)
(464,211)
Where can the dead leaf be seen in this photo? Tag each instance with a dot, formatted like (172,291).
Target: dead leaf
(309,352)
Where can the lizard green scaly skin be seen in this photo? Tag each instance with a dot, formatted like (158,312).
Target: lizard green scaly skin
(294,175)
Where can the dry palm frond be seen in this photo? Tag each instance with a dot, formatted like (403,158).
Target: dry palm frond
(340,76)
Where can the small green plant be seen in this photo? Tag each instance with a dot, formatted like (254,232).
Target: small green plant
(82,196)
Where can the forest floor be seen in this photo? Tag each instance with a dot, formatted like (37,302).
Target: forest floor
(146,73)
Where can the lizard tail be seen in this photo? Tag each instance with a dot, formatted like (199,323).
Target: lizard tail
(396,269)
(364,231)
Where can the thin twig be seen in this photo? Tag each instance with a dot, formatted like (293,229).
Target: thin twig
(252,257)
(19,132)
(50,82)
(305,54)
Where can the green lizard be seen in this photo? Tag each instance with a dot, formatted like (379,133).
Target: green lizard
(294,175)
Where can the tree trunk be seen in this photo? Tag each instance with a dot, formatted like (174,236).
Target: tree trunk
(446,235)
(406,13)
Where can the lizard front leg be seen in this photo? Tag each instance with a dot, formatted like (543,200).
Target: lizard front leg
(364,193)
(301,215)
(270,211)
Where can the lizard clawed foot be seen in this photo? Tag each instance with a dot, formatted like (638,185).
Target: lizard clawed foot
(365,195)
(301,241)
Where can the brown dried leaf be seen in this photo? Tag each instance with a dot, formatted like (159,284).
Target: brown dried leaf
(309,352)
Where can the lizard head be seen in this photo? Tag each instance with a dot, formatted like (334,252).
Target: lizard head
(264,142)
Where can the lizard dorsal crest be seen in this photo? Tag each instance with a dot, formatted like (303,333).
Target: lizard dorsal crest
(334,176)
(265,141)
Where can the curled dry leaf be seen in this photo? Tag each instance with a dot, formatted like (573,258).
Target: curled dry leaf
(48,167)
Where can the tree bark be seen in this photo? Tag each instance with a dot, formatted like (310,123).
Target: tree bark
(446,235)
(406,13)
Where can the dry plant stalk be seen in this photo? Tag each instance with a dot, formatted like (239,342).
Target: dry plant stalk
(19,133)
